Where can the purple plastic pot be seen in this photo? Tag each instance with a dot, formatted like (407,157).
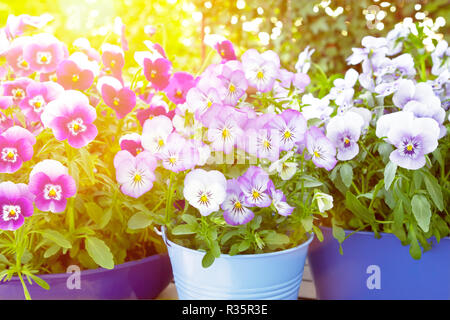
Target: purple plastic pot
(382,268)
(141,279)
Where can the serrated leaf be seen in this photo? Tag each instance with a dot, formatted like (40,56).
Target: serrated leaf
(57,238)
(99,252)
(421,210)
(139,220)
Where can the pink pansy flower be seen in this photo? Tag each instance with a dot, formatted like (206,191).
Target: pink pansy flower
(223,46)
(71,117)
(72,76)
(178,87)
(16,88)
(16,147)
(178,154)
(135,174)
(6,102)
(291,127)
(17,25)
(121,99)
(52,185)
(44,52)
(261,70)
(5,122)
(132,143)
(155,48)
(14,57)
(84,46)
(235,84)
(157,72)
(113,58)
(159,108)
(204,95)
(224,131)
(155,133)
(38,95)
(16,203)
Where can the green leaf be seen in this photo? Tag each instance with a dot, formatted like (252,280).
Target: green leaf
(57,238)
(421,210)
(189,219)
(318,233)
(184,229)
(338,232)
(307,223)
(276,239)
(358,209)
(434,189)
(389,174)
(139,220)
(51,251)
(346,172)
(99,252)
(94,211)
(215,249)
(208,259)
(40,282)
(244,245)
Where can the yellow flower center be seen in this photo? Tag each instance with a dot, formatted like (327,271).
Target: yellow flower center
(76,127)
(232,88)
(75,78)
(172,160)
(137,178)
(52,193)
(255,194)
(266,144)
(260,75)
(287,134)
(222,52)
(209,103)
(225,133)
(161,142)
(10,155)
(12,213)
(238,205)
(409,147)
(316,154)
(24,64)
(113,63)
(44,59)
(153,74)
(179,93)
(116,102)
(204,199)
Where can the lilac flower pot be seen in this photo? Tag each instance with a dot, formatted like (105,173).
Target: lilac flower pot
(267,276)
(378,268)
(142,279)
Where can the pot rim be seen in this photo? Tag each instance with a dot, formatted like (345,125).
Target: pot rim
(56,276)
(238,256)
(371,233)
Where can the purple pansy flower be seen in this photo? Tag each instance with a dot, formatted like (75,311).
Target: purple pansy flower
(52,185)
(343,91)
(16,203)
(412,137)
(71,117)
(255,186)
(291,127)
(304,60)
(205,94)
(279,202)
(44,52)
(135,174)
(205,190)
(224,131)
(321,149)
(16,147)
(157,72)
(344,132)
(178,87)
(178,154)
(38,95)
(234,210)
(132,143)
(261,70)
(235,84)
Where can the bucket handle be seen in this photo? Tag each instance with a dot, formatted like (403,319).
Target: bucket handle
(162,234)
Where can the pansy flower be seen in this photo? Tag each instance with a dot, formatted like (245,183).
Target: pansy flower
(155,133)
(234,209)
(413,138)
(52,185)
(135,174)
(14,57)
(255,186)
(113,59)
(279,202)
(291,127)
(205,190)
(178,87)
(178,154)
(285,169)
(16,203)
(38,95)
(16,89)
(157,108)
(73,76)
(304,60)
(44,52)
(321,149)
(16,147)
(132,143)
(223,46)
(121,99)
(344,131)
(5,122)
(71,117)
(224,131)
(157,72)
(17,25)
(204,95)
(235,85)
(261,70)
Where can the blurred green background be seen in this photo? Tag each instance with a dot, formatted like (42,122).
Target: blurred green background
(286,26)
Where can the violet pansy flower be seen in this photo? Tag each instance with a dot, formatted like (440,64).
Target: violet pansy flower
(291,127)
(14,57)
(205,94)
(205,190)
(321,149)
(261,70)
(135,174)
(234,210)
(224,131)
(235,84)
(344,131)
(71,117)
(16,203)
(223,46)
(52,185)
(279,202)
(255,186)
(178,154)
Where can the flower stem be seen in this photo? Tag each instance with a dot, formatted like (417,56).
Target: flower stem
(70,218)
(169,195)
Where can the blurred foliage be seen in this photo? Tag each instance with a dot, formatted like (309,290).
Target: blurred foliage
(286,26)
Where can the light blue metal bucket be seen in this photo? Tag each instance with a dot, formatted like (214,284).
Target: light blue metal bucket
(267,276)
